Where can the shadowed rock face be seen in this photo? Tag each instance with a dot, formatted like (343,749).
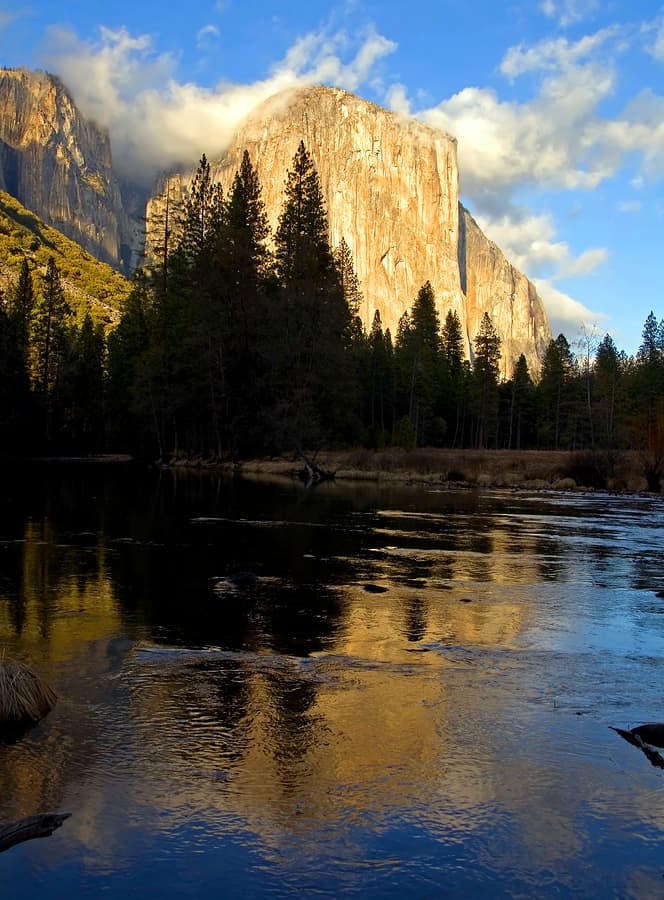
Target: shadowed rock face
(391,190)
(58,164)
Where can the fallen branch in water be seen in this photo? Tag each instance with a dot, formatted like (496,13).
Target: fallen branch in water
(634,738)
(312,473)
(38,826)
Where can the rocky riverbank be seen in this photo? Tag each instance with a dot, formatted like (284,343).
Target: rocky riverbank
(533,469)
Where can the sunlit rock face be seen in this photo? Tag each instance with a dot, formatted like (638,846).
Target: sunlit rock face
(58,164)
(492,284)
(391,189)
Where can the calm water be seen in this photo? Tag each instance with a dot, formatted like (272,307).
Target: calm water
(302,736)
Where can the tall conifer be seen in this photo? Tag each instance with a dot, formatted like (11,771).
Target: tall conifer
(313,312)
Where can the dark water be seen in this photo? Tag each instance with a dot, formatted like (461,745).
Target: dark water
(303,736)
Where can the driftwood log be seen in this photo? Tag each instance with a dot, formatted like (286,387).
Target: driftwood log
(312,473)
(33,827)
(635,736)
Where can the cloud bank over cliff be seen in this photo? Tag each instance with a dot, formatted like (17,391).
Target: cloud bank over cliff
(549,126)
(560,139)
(156,122)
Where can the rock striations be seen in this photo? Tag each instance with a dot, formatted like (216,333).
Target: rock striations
(58,164)
(491,284)
(390,185)
(391,188)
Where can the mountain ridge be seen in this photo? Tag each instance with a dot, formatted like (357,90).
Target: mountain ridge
(390,184)
(90,285)
(58,164)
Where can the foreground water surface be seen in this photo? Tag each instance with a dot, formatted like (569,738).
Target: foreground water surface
(411,699)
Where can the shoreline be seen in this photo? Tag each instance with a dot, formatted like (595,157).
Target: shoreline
(558,470)
(623,472)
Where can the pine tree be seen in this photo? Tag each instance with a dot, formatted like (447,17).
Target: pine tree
(14,386)
(14,360)
(131,409)
(201,217)
(86,386)
(247,317)
(425,392)
(21,305)
(50,344)
(381,383)
(49,331)
(521,405)
(607,377)
(404,368)
(485,381)
(314,315)
(454,375)
(558,396)
(650,387)
(350,285)
(179,359)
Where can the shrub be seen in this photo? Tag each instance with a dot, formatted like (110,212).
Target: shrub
(588,468)
(405,434)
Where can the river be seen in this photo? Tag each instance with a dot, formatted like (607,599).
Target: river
(408,693)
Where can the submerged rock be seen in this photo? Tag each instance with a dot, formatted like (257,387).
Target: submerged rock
(375,588)
(235,582)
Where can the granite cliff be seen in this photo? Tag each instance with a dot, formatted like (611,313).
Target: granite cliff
(490,283)
(390,186)
(58,164)
(391,189)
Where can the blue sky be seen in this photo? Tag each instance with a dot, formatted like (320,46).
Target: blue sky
(558,107)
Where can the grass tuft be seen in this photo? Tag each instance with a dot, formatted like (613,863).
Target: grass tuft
(24,697)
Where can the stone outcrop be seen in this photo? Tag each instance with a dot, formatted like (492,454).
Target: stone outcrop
(58,164)
(391,189)
(390,185)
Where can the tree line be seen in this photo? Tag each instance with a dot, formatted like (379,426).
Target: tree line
(231,349)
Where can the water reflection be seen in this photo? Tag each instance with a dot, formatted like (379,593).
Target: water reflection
(302,734)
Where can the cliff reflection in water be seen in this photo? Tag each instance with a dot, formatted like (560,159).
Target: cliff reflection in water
(307,716)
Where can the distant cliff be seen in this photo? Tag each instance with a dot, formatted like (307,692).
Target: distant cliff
(58,164)
(391,189)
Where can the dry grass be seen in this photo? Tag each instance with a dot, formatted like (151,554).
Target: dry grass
(24,698)
(530,469)
(535,469)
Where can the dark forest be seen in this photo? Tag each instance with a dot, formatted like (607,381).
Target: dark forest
(229,349)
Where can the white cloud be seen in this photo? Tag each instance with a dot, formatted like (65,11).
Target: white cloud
(529,242)
(316,57)
(206,35)
(584,264)
(567,12)
(629,206)
(397,100)
(554,140)
(156,122)
(566,315)
(655,33)
(553,54)
(558,139)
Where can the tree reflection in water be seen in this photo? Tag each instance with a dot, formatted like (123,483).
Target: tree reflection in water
(283,736)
